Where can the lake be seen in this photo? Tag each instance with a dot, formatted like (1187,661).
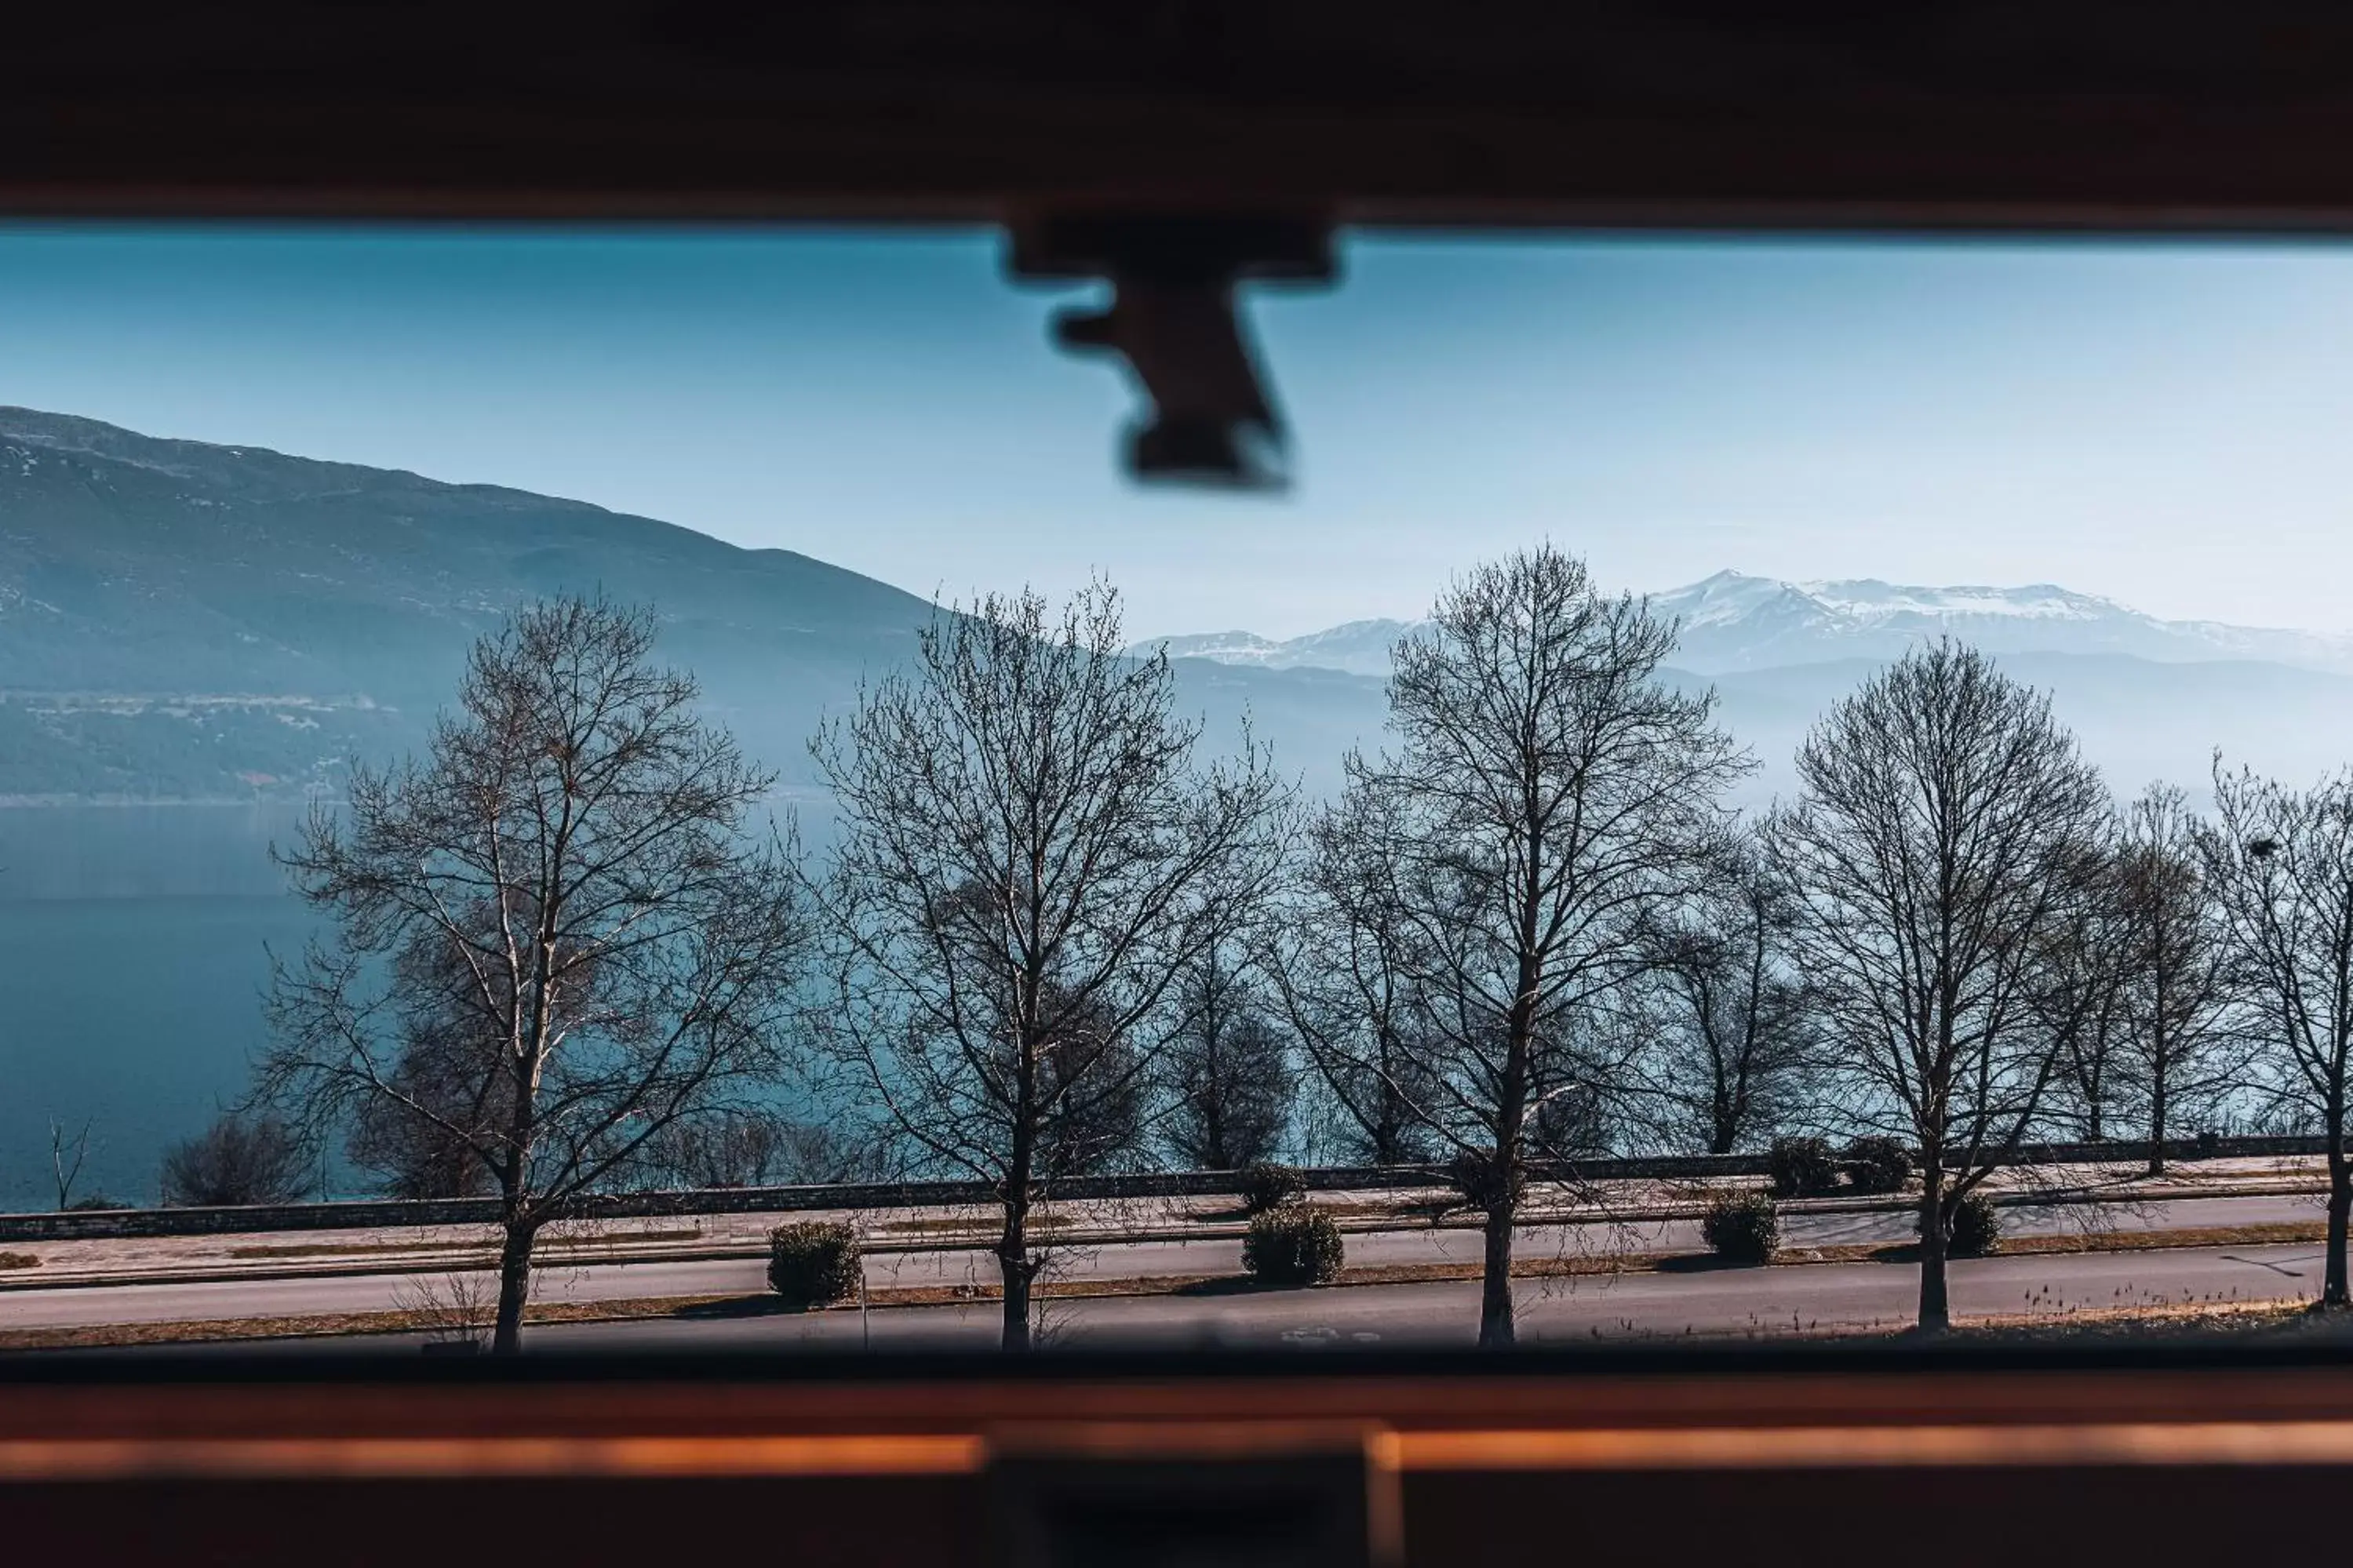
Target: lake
(134,952)
(136,1014)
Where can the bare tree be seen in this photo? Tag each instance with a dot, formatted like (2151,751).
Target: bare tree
(554,934)
(758,1146)
(1338,961)
(1545,795)
(2280,862)
(1731,1031)
(66,1156)
(238,1160)
(2078,995)
(733,1148)
(2185,1052)
(445,1077)
(1229,1072)
(1029,861)
(1098,1080)
(1936,841)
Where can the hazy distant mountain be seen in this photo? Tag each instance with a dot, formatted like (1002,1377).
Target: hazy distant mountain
(2149,699)
(1735,622)
(2139,719)
(1358,647)
(186,621)
(1732,622)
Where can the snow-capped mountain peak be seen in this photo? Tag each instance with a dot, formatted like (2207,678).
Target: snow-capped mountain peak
(1732,621)
(1866,599)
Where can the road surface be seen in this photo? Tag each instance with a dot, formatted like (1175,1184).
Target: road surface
(1667,1305)
(1695,1298)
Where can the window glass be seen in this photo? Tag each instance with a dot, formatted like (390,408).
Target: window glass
(666,789)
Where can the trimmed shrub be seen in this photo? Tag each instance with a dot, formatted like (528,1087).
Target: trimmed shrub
(1801,1167)
(1266,1187)
(1877,1166)
(1293,1245)
(814,1263)
(1977,1227)
(1743,1228)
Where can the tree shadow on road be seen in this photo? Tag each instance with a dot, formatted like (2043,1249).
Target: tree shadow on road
(741,1307)
(1230,1285)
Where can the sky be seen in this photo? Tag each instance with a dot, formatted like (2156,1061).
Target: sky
(2164,424)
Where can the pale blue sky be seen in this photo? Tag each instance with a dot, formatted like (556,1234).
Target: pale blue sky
(2163,424)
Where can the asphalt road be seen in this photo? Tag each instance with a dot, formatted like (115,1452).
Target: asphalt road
(1668,1306)
(1698,1299)
(1651,1305)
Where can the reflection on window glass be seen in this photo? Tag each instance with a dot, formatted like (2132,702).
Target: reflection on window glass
(614,790)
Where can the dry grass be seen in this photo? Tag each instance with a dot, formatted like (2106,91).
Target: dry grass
(980,1226)
(2202,1320)
(354,1250)
(18,1260)
(392,1321)
(1410,1210)
(371,1249)
(2284,1232)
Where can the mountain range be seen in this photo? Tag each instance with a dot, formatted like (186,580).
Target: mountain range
(181,621)
(189,622)
(1733,622)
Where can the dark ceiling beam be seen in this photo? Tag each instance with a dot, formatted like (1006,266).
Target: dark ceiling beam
(1990,114)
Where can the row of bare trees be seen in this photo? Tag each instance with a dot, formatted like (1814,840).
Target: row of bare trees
(1050,935)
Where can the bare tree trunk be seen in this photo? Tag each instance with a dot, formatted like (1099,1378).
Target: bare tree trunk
(2156,1120)
(1013,1270)
(1936,1310)
(1497,1331)
(2333,1293)
(515,1286)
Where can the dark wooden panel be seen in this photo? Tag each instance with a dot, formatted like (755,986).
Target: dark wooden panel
(818,1522)
(95,1395)
(1976,112)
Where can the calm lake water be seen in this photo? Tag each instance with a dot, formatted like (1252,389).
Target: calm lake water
(137,1014)
(134,952)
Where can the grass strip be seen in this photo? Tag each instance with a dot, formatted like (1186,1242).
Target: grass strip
(488,1249)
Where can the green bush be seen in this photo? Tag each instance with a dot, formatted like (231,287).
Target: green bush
(1976,1229)
(1265,1186)
(1293,1245)
(1743,1227)
(1877,1164)
(814,1263)
(1801,1167)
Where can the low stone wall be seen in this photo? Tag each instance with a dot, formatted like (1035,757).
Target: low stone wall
(368,1216)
